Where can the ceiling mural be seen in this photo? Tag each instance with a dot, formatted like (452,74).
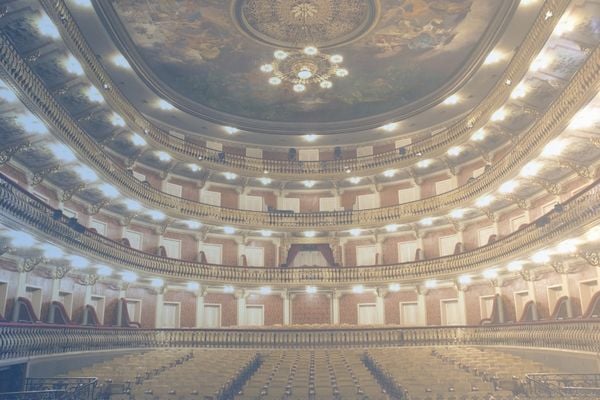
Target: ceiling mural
(213,52)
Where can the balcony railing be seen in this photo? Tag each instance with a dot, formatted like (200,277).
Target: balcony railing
(34,340)
(579,213)
(537,36)
(580,89)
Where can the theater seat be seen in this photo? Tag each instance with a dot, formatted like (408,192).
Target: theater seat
(58,314)
(24,311)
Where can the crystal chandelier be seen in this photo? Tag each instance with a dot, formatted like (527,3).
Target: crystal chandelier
(302,68)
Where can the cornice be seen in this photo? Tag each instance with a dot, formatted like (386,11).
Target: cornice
(26,212)
(336,169)
(580,89)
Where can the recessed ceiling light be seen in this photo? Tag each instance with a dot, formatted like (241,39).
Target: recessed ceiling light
(157,282)
(391,228)
(93,94)
(229,176)
(490,274)
(458,213)
(514,266)
(326,84)
(21,239)
(78,262)
(165,105)
(310,50)
(265,290)
(6,94)
(493,57)
(266,68)
(51,251)
(163,156)
(85,173)
(46,27)
(230,129)
(452,100)
(31,124)
(229,230)
(358,289)
(341,72)
(336,59)
(117,120)
(265,181)
(299,88)
(72,66)
(132,205)
(193,224)
(274,81)
(479,135)
(62,152)
(266,233)
(137,140)
(519,92)
(484,201)
(542,61)
(193,286)
(389,173)
(541,257)
(568,246)
(128,276)
(355,232)
(390,127)
(531,169)
(498,115)
(394,287)
(555,147)
(431,284)
(194,167)
(108,190)
(280,54)
(120,61)
(311,137)
(228,289)
(157,215)
(103,270)
(424,163)
(426,221)
(454,151)
(309,184)
(354,180)
(464,279)
(311,290)
(508,187)
(310,234)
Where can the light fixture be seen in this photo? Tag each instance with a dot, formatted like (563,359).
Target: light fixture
(585,118)
(454,151)
(458,213)
(229,230)
(542,61)
(103,270)
(93,94)
(193,224)
(541,257)
(265,181)
(479,135)
(85,173)
(156,215)
(566,24)
(452,100)
(62,152)
(593,234)
(51,251)
(519,92)
(515,266)
(355,232)
(493,57)
(358,289)
(117,120)
(568,246)
(78,262)
(230,129)
(508,187)
(309,184)
(355,180)
(164,105)
(311,137)
(132,205)
(83,3)
(229,176)
(31,124)
(194,167)
(302,68)
(228,289)
(490,274)
(390,127)
(266,233)
(554,148)
(311,290)
(310,234)
(389,173)
(6,94)
(46,27)
(394,287)
(424,163)
(21,239)
(426,221)
(431,284)
(498,115)
(391,228)
(137,140)
(464,279)
(108,190)
(484,201)
(157,282)
(163,156)
(128,276)
(531,169)
(72,66)
(265,290)
(120,61)
(193,286)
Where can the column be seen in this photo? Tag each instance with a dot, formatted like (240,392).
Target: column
(380,305)
(23,268)
(286,307)
(200,293)
(240,296)
(122,295)
(379,251)
(500,304)
(241,250)
(422,305)
(88,281)
(462,305)
(567,291)
(57,275)
(529,277)
(160,303)
(335,307)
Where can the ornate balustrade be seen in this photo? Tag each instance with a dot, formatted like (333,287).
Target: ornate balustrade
(331,169)
(33,340)
(578,214)
(581,88)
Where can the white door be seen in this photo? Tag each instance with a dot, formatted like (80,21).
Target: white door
(367,201)
(134,238)
(409,314)
(478,172)
(483,235)
(210,197)
(170,315)
(367,314)
(516,222)
(212,316)
(327,204)
(255,256)
(291,203)
(308,155)
(450,312)
(364,151)
(255,316)
(521,298)
(487,306)
(173,189)
(365,255)
(407,251)
(98,303)
(587,290)
(139,176)
(254,153)
(252,203)
(213,252)
(444,186)
(172,247)
(407,195)
(100,227)
(134,309)
(447,245)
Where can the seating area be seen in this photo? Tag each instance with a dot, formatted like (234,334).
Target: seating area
(325,374)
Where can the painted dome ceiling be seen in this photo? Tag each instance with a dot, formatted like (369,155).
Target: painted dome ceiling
(215,58)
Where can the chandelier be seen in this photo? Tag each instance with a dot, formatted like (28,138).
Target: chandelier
(303,68)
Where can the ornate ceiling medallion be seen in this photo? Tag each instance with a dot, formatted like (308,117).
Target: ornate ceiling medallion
(300,68)
(298,23)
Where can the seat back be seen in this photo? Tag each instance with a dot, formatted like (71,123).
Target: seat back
(495,317)
(125,319)
(90,316)
(24,311)
(459,247)
(560,309)
(59,314)
(125,242)
(161,251)
(593,309)
(528,312)
(202,257)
